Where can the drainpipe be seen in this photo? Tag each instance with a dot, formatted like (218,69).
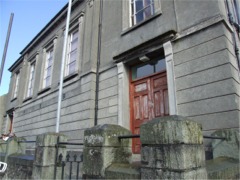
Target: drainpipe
(62,66)
(98,61)
(237,26)
(6,46)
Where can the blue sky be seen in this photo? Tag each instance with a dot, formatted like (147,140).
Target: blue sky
(30,16)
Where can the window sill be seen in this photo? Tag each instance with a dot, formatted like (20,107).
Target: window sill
(70,76)
(44,90)
(141,23)
(27,99)
(13,99)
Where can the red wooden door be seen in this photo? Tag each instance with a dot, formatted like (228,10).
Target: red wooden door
(149,99)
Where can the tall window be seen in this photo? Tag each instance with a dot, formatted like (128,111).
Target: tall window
(71,63)
(31,80)
(16,85)
(141,10)
(48,69)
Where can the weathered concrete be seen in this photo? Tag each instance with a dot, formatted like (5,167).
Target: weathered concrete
(123,171)
(171,130)
(226,148)
(45,155)
(223,168)
(102,148)
(172,148)
(19,167)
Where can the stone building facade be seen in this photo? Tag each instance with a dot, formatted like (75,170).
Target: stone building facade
(127,62)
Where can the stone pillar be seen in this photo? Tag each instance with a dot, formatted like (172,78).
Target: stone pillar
(3,146)
(172,148)
(45,154)
(12,146)
(102,148)
(228,147)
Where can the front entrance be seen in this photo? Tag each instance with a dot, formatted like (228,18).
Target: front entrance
(149,97)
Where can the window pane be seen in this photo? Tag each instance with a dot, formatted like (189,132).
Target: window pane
(141,9)
(72,67)
(161,65)
(141,71)
(75,35)
(73,56)
(16,85)
(149,68)
(49,69)
(74,45)
(72,53)
(147,12)
(31,80)
(139,5)
(47,81)
(139,17)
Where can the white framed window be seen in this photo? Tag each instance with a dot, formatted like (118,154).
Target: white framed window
(136,12)
(48,68)
(72,53)
(141,10)
(15,92)
(31,80)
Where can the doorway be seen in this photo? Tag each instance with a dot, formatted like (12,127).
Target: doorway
(148,95)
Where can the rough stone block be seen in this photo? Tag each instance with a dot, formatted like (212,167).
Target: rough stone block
(175,157)
(148,173)
(171,130)
(200,173)
(12,146)
(228,147)
(123,171)
(50,139)
(106,135)
(97,159)
(45,156)
(46,172)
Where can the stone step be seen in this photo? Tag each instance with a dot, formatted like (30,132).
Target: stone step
(223,168)
(123,171)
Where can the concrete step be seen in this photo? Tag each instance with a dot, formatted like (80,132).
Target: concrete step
(123,171)
(223,168)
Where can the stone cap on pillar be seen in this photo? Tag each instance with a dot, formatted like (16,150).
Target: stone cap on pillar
(106,135)
(50,139)
(171,130)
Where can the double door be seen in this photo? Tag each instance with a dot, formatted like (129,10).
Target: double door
(149,100)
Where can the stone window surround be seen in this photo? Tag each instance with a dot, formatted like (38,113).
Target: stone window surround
(32,60)
(50,45)
(76,23)
(16,85)
(123,87)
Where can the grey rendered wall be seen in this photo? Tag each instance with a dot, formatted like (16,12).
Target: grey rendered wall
(205,68)
(116,40)
(38,115)
(207,80)
(108,97)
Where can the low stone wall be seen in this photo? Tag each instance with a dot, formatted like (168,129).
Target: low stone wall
(45,155)
(19,167)
(172,148)
(102,148)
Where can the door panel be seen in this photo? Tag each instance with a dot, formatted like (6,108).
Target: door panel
(149,99)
